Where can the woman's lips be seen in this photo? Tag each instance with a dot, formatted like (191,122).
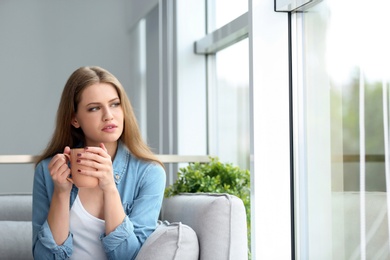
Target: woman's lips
(109,128)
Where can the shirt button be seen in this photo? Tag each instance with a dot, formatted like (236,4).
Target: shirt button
(117,176)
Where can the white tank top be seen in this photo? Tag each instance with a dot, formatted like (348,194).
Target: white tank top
(86,230)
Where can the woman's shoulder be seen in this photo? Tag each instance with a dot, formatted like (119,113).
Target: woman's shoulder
(149,172)
(43,163)
(148,165)
(42,174)
(124,155)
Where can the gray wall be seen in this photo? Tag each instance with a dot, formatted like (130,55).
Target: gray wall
(41,44)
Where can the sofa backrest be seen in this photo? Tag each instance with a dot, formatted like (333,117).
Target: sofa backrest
(219,221)
(15,226)
(16,207)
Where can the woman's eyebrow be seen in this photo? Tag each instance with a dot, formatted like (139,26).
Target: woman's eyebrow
(98,103)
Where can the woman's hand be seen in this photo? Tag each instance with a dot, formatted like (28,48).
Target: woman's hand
(59,171)
(100,163)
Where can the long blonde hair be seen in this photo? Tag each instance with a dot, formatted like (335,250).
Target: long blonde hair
(65,134)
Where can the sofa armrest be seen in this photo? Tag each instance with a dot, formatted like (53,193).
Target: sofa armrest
(219,221)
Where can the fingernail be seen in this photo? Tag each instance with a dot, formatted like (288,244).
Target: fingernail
(79,154)
(78,161)
(78,170)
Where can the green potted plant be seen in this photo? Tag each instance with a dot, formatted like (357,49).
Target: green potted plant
(214,177)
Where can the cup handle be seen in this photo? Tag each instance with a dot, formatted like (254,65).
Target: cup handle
(68,157)
(70,180)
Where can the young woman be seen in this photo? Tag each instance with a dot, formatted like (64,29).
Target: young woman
(112,220)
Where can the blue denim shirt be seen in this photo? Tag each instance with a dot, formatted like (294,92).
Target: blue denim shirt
(141,187)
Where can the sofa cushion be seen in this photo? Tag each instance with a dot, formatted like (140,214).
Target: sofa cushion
(173,241)
(15,240)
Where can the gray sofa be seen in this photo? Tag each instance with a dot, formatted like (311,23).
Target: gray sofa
(195,226)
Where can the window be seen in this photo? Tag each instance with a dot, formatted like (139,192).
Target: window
(230,140)
(341,131)
(225,11)
(229,87)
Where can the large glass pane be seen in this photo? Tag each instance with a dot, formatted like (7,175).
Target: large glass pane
(229,106)
(341,94)
(224,11)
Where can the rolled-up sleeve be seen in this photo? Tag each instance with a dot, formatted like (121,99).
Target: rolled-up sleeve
(44,246)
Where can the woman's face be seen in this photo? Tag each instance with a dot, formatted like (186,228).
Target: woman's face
(99,114)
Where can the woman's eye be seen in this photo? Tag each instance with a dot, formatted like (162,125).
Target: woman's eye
(116,104)
(92,109)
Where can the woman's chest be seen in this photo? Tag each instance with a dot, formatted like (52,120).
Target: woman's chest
(92,201)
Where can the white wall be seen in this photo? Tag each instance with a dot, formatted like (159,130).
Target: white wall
(41,43)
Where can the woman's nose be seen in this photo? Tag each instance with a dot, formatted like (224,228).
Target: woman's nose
(107,115)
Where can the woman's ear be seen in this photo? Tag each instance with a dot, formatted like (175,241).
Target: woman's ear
(75,123)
